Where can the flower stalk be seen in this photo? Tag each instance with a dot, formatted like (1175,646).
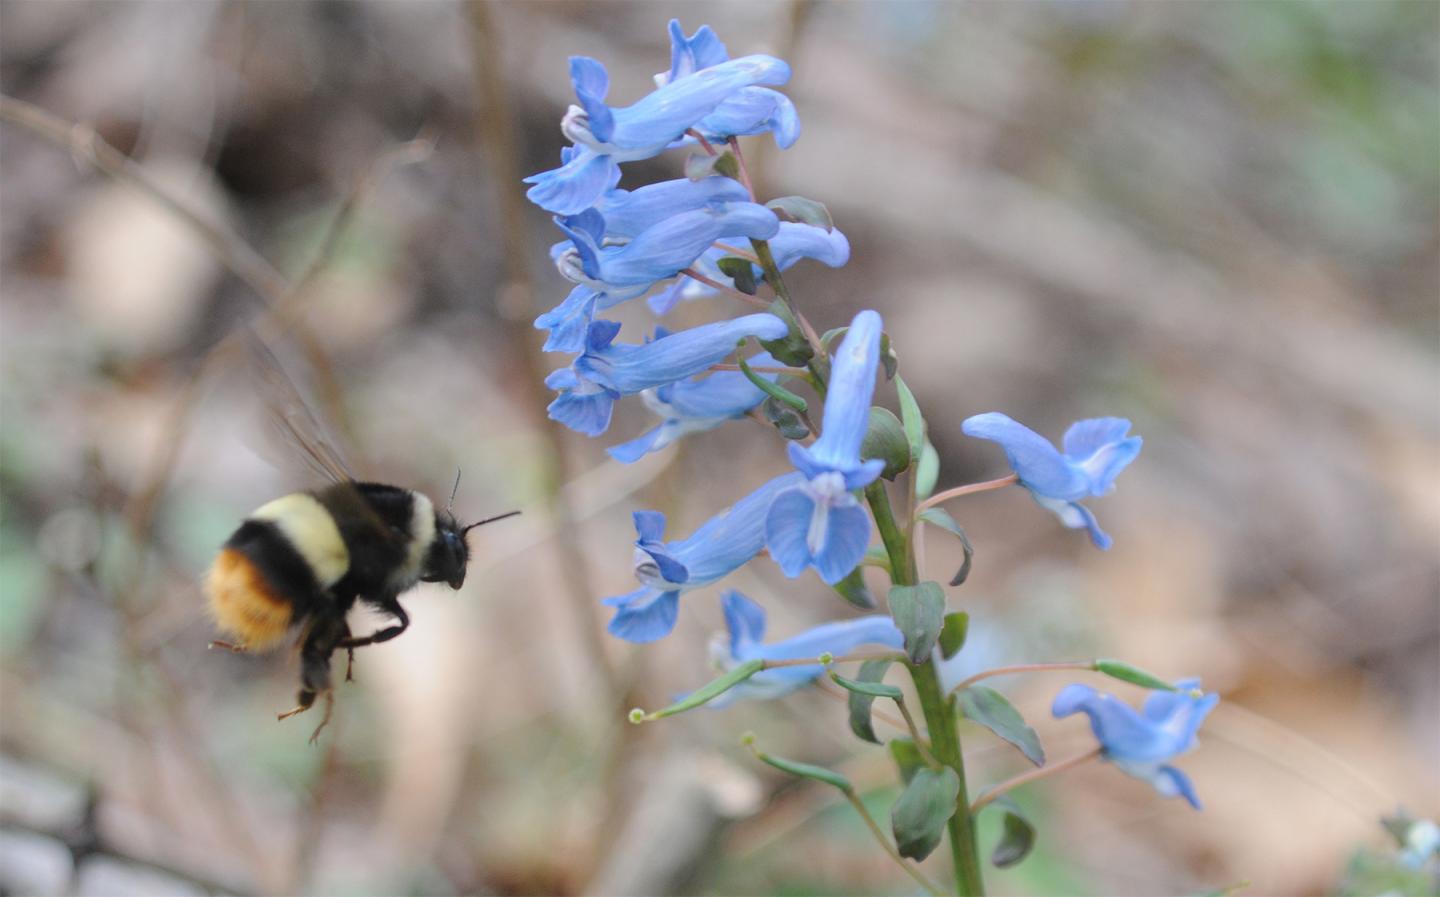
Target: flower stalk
(936,706)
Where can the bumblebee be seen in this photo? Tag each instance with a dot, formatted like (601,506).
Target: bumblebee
(303,560)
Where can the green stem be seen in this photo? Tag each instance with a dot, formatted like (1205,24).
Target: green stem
(939,713)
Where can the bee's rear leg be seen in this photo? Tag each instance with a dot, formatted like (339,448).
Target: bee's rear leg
(229,646)
(349,664)
(315,669)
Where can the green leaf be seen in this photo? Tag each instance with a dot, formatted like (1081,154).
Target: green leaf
(807,771)
(941,518)
(774,390)
(885,439)
(952,634)
(870,689)
(919,815)
(702,165)
(742,271)
(710,690)
(889,361)
(907,758)
(1016,838)
(791,349)
(854,590)
(992,710)
(1119,669)
(927,471)
(919,612)
(914,420)
(787,422)
(871,671)
(803,210)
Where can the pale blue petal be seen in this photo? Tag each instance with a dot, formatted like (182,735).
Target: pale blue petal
(592,83)
(574,186)
(1106,463)
(1171,782)
(587,413)
(786,528)
(644,615)
(1085,437)
(667,248)
(1040,467)
(744,619)
(848,535)
(569,321)
(733,537)
(649,526)
(753,110)
(637,448)
(688,55)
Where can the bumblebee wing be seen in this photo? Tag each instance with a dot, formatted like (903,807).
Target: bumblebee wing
(292,418)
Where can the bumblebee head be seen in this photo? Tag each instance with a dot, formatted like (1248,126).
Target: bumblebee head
(449,555)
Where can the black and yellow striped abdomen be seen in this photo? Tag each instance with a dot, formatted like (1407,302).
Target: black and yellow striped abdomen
(275,570)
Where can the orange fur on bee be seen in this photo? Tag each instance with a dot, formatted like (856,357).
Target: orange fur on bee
(243,603)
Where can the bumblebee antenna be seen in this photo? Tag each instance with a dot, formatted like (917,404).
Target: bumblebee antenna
(456,489)
(488,520)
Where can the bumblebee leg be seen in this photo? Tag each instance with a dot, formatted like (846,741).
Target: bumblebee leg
(329,709)
(237,649)
(315,665)
(392,607)
(349,664)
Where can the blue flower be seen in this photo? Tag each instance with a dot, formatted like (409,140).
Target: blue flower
(1096,450)
(608,370)
(666,570)
(793,242)
(694,406)
(820,522)
(1141,744)
(606,136)
(750,110)
(660,251)
(606,259)
(746,621)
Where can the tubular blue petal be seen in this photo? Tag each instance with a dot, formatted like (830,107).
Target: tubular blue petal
(733,537)
(665,114)
(844,548)
(744,619)
(847,399)
(796,241)
(629,369)
(837,638)
(753,110)
(786,528)
(631,212)
(644,615)
(574,186)
(665,249)
(1040,467)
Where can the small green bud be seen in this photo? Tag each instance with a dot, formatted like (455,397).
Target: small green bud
(748,739)
(827,658)
(637,716)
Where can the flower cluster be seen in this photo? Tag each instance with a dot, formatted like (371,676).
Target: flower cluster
(708,235)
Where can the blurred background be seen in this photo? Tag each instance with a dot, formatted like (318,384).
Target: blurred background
(1218,219)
